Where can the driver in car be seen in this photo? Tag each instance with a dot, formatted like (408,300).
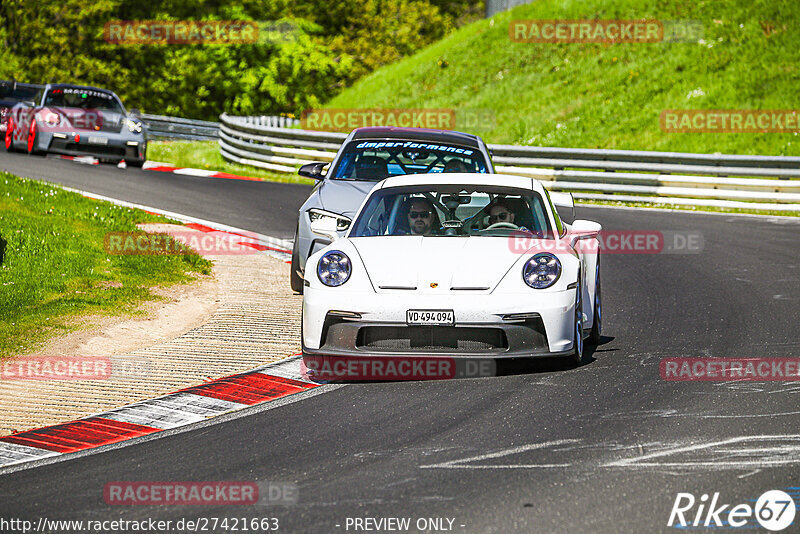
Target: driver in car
(500,212)
(421,217)
(455,165)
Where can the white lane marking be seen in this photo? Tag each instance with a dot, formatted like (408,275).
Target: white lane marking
(751,473)
(87,160)
(671,412)
(734,416)
(458,464)
(764,456)
(173,410)
(150,164)
(194,172)
(744,453)
(274,242)
(12,453)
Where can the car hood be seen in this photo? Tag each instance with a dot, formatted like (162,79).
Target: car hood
(452,263)
(343,196)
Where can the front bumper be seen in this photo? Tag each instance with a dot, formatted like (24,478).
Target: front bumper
(486,325)
(117,148)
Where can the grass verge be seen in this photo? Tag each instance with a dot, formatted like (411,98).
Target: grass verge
(205,155)
(55,267)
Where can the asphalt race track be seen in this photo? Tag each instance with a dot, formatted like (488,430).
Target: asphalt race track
(263,207)
(543,448)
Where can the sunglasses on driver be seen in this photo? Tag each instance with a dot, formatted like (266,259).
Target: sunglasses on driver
(502,216)
(419,214)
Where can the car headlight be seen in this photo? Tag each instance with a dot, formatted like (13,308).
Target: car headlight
(541,271)
(134,126)
(342,222)
(334,268)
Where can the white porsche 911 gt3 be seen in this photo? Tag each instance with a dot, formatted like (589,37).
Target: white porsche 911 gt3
(458,265)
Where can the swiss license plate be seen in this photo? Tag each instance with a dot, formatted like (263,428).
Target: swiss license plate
(94,140)
(430,317)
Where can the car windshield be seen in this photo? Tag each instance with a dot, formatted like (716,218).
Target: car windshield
(375,160)
(82,98)
(453,211)
(18,93)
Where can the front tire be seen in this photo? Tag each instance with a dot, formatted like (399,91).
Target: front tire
(295,280)
(577,346)
(33,138)
(597,318)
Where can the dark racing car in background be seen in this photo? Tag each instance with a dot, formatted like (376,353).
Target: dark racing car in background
(76,121)
(11,93)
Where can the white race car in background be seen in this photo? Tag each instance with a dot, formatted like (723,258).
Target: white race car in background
(469,288)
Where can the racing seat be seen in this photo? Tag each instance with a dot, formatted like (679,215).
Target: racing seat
(370,168)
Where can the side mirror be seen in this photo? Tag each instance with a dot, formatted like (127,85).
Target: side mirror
(136,113)
(325,227)
(583,229)
(565,201)
(312,170)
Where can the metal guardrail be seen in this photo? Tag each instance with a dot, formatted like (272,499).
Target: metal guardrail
(729,181)
(163,127)
(270,121)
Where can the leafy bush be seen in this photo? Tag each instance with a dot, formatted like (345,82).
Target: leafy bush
(333,44)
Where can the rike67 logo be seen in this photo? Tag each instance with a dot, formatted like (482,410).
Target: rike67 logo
(774,510)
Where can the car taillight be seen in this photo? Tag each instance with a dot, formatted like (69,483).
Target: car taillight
(77,138)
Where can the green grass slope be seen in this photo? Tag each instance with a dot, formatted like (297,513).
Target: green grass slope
(607,95)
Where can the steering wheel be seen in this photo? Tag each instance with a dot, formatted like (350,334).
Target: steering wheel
(502,225)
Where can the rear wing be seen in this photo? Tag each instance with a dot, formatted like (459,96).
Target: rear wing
(564,203)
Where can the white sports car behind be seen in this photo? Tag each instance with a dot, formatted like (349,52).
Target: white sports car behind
(472,286)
